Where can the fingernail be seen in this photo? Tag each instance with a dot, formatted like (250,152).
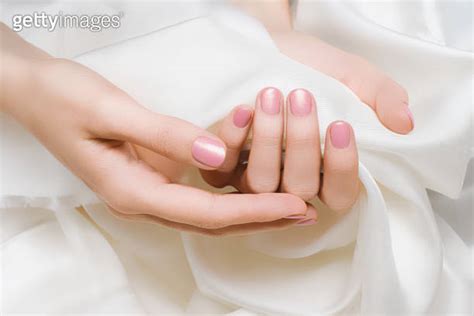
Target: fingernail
(340,134)
(301,102)
(270,99)
(410,116)
(306,222)
(208,151)
(296,217)
(242,117)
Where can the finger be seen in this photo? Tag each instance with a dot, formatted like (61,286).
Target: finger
(340,185)
(301,172)
(133,187)
(387,98)
(391,106)
(210,210)
(233,131)
(123,119)
(233,230)
(264,164)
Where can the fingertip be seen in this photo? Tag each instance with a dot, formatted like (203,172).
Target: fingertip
(270,100)
(209,152)
(398,120)
(340,133)
(293,204)
(391,105)
(241,116)
(341,165)
(410,117)
(234,131)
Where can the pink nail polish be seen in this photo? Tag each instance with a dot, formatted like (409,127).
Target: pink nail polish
(295,217)
(306,222)
(301,102)
(340,134)
(270,99)
(242,117)
(208,151)
(410,116)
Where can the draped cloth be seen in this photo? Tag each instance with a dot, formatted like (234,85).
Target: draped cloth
(404,248)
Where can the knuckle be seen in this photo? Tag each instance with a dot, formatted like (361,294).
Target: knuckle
(306,193)
(114,195)
(341,204)
(267,140)
(341,165)
(262,184)
(342,201)
(214,218)
(162,140)
(99,115)
(233,142)
(304,142)
(353,83)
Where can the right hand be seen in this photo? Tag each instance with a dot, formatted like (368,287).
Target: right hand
(99,132)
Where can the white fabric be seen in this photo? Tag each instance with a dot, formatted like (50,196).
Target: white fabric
(391,254)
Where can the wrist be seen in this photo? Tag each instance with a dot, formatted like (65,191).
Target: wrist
(17,60)
(14,80)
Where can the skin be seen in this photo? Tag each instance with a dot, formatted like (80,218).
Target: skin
(386,97)
(120,149)
(133,158)
(299,174)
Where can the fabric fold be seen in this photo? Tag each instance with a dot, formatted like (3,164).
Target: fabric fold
(390,254)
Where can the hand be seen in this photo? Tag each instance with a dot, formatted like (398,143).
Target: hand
(387,98)
(299,173)
(102,135)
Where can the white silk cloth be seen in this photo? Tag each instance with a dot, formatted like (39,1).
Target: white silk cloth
(391,254)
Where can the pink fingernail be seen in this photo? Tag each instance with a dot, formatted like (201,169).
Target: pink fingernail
(340,134)
(242,117)
(306,222)
(410,116)
(270,99)
(208,151)
(296,217)
(301,102)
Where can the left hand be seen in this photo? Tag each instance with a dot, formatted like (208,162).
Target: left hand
(387,98)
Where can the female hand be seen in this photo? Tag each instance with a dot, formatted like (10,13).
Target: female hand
(299,173)
(101,134)
(386,97)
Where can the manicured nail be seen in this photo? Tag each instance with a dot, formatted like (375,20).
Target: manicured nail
(340,134)
(301,102)
(208,151)
(242,117)
(306,222)
(410,116)
(295,217)
(270,99)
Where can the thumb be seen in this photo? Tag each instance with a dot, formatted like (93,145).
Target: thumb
(171,137)
(391,106)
